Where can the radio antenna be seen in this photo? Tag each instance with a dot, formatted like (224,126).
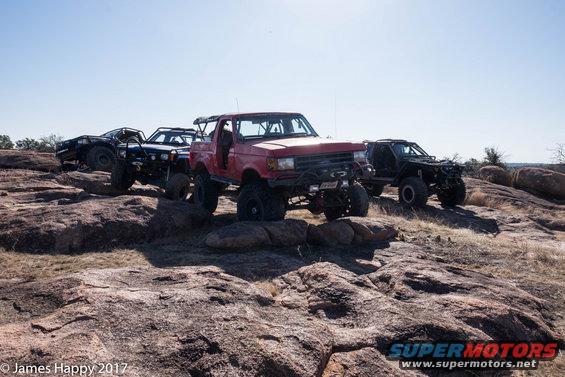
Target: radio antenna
(237,103)
(335,113)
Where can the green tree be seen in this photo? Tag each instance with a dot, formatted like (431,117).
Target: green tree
(6,142)
(471,167)
(27,144)
(493,156)
(49,143)
(44,144)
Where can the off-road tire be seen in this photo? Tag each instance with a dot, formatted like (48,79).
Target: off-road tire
(178,187)
(357,204)
(121,179)
(205,193)
(413,192)
(258,202)
(374,190)
(100,158)
(359,201)
(453,197)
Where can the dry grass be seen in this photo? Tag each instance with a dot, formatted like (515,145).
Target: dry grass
(31,266)
(268,287)
(480,199)
(509,256)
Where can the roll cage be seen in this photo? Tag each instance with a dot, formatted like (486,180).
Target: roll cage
(189,131)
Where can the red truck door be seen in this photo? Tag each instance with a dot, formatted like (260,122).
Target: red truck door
(224,160)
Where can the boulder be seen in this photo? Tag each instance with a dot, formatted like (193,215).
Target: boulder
(292,232)
(369,229)
(330,234)
(543,182)
(19,159)
(495,174)
(289,232)
(238,236)
(102,222)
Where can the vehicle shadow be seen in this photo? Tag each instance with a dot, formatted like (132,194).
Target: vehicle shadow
(458,217)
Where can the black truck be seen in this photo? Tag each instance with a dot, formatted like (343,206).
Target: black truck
(417,175)
(161,160)
(97,152)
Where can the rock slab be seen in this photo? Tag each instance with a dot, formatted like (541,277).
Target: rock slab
(320,319)
(19,159)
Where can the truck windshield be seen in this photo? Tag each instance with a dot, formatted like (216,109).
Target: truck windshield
(175,137)
(273,125)
(409,150)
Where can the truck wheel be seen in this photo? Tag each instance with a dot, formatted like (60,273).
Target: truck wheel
(454,196)
(413,192)
(100,158)
(374,190)
(121,179)
(178,187)
(357,204)
(359,201)
(258,202)
(205,193)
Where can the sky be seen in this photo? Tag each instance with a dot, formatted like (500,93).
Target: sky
(454,76)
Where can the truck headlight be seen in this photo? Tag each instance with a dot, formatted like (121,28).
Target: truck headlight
(83,140)
(164,156)
(360,156)
(280,163)
(122,153)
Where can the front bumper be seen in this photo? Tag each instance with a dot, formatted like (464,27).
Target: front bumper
(66,154)
(317,175)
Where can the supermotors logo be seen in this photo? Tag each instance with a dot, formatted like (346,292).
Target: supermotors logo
(475,355)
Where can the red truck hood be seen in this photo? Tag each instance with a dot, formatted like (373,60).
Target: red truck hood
(296,146)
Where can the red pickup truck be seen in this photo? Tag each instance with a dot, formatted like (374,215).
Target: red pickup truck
(280,163)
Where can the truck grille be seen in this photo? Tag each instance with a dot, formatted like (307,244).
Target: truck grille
(302,163)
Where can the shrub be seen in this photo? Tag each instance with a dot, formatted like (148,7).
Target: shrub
(471,167)
(494,157)
(6,142)
(44,144)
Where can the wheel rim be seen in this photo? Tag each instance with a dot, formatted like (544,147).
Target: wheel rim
(408,194)
(253,210)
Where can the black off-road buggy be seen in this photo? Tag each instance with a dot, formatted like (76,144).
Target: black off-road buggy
(162,160)
(417,175)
